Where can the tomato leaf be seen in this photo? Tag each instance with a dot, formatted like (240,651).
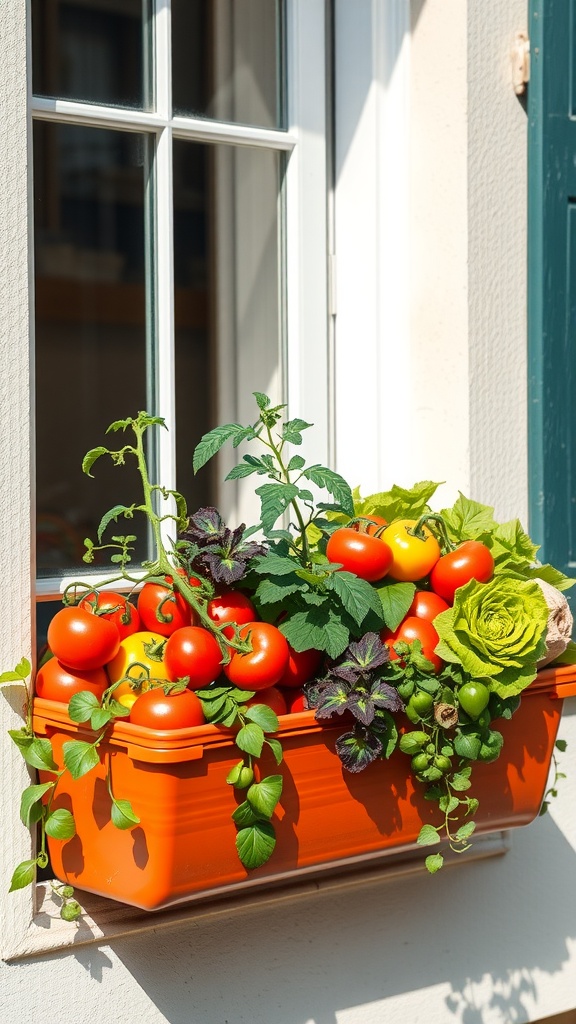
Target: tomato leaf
(113,515)
(255,844)
(318,629)
(250,739)
(60,824)
(292,433)
(264,717)
(459,782)
(263,796)
(122,815)
(79,757)
(23,875)
(333,483)
(356,595)
(274,565)
(465,831)
(395,599)
(31,802)
(212,442)
(275,499)
(468,743)
(91,457)
(271,591)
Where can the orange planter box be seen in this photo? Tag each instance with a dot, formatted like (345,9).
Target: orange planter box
(184,847)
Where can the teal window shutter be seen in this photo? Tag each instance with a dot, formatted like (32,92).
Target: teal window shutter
(552,280)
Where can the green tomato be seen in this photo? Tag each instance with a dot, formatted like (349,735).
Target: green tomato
(473,698)
(444,764)
(420,762)
(421,702)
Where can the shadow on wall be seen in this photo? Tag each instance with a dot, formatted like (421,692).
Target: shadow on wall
(472,935)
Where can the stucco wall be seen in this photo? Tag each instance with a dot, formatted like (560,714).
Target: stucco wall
(482,943)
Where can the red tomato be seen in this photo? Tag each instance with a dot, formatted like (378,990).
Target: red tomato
(273,698)
(411,629)
(56,682)
(427,605)
(297,703)
(264,665)
(233,606)
(368,557)
(376,523)
(115,608)
(81,640)
(193,651)
(156,710)
(471,560)
(302,666)
(157,603)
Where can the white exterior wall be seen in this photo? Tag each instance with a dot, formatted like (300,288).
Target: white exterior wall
(488,942)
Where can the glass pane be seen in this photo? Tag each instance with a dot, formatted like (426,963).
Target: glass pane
(226,246)
(227,60)
(97,51)
(89,203)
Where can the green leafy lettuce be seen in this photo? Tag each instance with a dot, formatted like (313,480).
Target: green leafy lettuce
(496,631)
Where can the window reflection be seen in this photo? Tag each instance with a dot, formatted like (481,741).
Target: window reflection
(97,51)
(226,60)
(90,326)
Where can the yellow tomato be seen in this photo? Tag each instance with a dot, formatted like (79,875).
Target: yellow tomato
(412,556)
(140,658)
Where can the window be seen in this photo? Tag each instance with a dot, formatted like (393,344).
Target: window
(165,185)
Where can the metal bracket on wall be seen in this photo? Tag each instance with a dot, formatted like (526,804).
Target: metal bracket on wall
(520,57)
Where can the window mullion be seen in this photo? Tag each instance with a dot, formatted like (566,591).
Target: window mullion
(162,363)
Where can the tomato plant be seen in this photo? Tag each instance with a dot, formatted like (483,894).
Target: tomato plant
(232,606)
(114,607)
(263,666)
(141,657)
(409,630)
(412,556)
(194,652)
(273,698)
(56,682)
(163,609)
(301,667)
(81,640)
(157,709)
(471,560)
(367,557)
(427,605)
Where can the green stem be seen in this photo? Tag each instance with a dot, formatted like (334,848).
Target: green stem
(428,519)
(305,556)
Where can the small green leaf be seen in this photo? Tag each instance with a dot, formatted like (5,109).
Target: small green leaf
(262,400)
(356,595)
(292,432)
(79,757)
(264,717)
(82,705)
(459,782)
(90,458)
(22,739)
(465,831)
(275,499)
(31,802)
(112,515)
(123,817)
(244,815)
(561,745)
(263,796)
(255,844)
(40,755)
(276,748)
(434,862)
(23,875)
(101,716)
(332,482)
(250,739)
(60,824)
(468,743)
(20,673)
(428,836)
